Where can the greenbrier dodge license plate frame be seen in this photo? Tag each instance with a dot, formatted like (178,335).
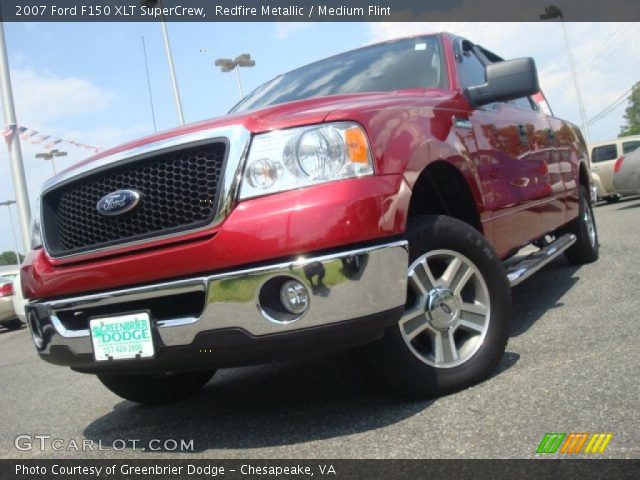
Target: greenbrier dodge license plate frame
(122,337)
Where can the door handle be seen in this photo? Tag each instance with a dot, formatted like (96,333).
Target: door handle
(522,132)
(551,135)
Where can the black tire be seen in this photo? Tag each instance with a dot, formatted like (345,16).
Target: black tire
(156,389)
(13,324)
(612,198)
(393,364)
(586,248)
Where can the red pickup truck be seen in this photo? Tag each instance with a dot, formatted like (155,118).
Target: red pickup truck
(371,201)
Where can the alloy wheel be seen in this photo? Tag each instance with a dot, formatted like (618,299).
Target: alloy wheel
(590,224)
(448,309)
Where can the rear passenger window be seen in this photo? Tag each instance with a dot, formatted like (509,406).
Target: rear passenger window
(523,102)
(630,146)
(604,153)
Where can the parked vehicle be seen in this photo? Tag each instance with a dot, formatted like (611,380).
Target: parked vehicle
(19,302)
(604,156)
(367,200)
(8,318)
(626,174)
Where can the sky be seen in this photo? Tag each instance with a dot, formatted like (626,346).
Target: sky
(86,81)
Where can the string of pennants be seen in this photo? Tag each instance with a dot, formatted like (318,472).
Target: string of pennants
(37,138)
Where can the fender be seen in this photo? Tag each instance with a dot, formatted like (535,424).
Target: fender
(407,137)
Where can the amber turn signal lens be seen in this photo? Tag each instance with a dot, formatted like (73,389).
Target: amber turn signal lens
(356,145)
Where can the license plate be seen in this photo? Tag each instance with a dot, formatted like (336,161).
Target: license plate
(122,337)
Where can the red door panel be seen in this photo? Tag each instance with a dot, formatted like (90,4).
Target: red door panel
(569,153)
(517,188)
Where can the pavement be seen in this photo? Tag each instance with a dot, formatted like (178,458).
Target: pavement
(571,366)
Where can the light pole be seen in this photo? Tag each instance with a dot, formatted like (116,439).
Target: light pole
(13,143)
(552,12)
(167,51)
(227,65)
(51,156)
(8,203)
(146,66)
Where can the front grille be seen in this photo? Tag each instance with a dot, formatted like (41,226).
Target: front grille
(178,192)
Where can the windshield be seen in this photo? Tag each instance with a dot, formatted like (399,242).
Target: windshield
(402,64)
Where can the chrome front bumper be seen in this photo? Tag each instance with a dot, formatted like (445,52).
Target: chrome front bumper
(342,286)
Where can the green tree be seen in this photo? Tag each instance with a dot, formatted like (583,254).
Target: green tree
(9,258)
(632,114)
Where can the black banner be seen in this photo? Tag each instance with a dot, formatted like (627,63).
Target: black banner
(306,469)
(318,11)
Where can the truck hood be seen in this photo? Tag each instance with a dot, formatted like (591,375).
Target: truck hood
(302,112)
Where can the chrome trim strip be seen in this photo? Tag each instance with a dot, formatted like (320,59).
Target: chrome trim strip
(519,272)
(237,138)
(359,282)
(461,122)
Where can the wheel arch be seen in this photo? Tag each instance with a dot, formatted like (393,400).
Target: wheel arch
(459,199)
(584,176)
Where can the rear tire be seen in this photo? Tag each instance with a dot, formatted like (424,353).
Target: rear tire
(586,248)
(156,389)
(612,198)
(13,324)
(423,365)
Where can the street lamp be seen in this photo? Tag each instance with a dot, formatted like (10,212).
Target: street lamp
(167,51)
(552,12)
(13,143)
(227,65)
(8,203)
(51,156)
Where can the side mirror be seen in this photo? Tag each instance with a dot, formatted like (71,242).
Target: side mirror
(506,80)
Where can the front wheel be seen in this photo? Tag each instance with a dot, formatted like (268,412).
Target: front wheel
(156,389)
(456,322)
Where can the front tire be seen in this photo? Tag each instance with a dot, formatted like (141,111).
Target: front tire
(457,316)
(156,389)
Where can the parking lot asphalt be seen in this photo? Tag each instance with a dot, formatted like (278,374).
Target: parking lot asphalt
(572,365)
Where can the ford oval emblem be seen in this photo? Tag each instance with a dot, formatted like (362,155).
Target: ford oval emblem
(118,202)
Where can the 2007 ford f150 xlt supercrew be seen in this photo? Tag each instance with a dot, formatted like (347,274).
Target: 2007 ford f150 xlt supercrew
(365,202)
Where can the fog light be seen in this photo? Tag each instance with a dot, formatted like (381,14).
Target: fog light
(294,297)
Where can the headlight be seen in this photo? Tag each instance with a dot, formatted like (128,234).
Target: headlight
(299,157)
(35,235)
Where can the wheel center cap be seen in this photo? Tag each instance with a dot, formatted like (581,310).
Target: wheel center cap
(443,308)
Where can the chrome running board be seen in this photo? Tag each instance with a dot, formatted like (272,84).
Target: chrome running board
(529,265)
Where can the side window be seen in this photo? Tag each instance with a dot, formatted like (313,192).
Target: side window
(523,102)
(628,147)
(542,104)
(604,153)
(471,70)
